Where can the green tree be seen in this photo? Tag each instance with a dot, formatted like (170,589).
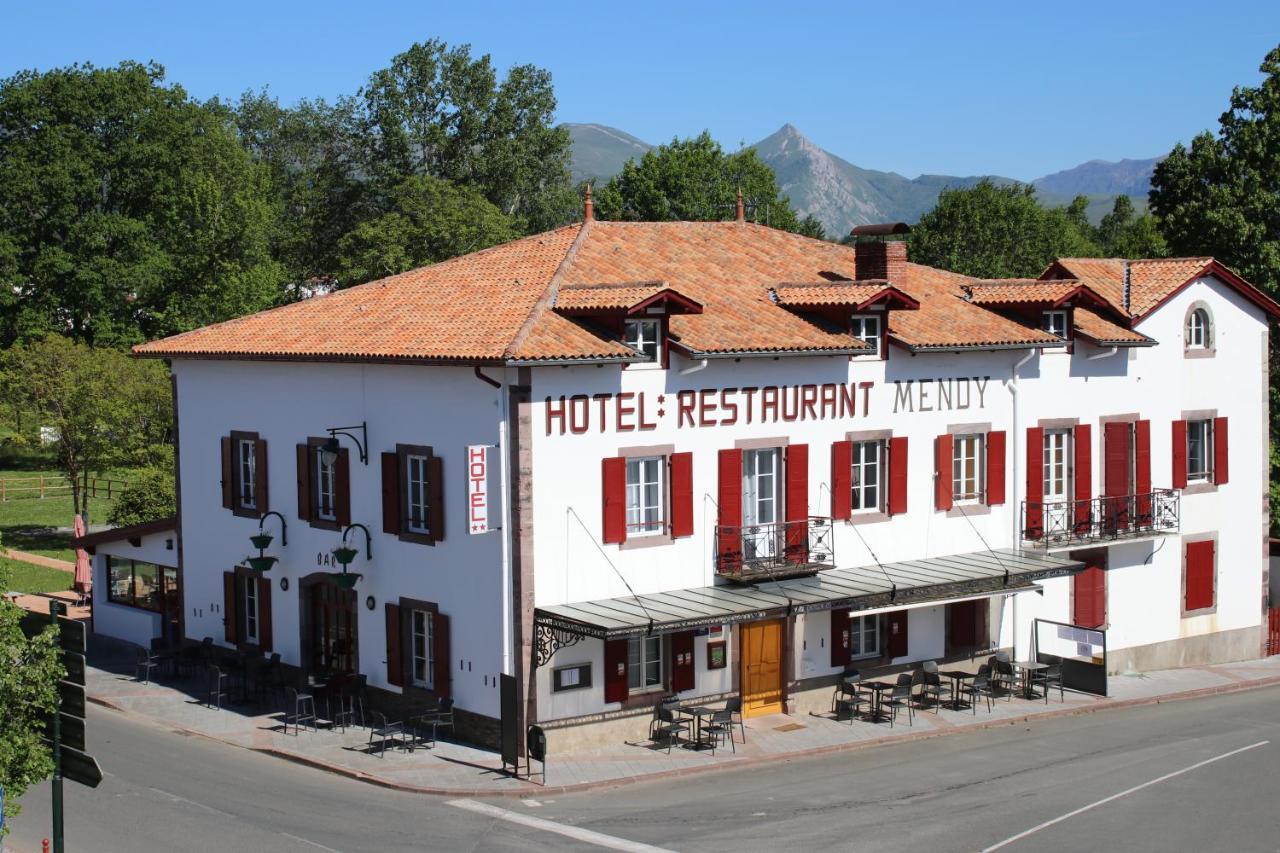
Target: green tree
(148,497)
(1123,234)
(29,673)
(992,231)
(106,407)
(1221,197)
(695,180)
(127,210)
(430,220)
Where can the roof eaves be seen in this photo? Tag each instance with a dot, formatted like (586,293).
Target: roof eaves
(976,347)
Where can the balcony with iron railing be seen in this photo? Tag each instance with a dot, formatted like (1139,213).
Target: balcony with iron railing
(1074,523)
(761,552)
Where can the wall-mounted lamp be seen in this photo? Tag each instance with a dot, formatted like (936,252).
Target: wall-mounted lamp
(329,450)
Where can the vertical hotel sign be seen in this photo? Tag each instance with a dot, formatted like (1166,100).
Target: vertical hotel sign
(478,488)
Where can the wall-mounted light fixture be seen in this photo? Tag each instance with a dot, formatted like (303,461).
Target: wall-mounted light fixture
(329,449)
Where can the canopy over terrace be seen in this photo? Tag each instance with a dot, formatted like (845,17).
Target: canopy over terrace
(863,588)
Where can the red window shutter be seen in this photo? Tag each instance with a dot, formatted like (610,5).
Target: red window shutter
(442,673)
(840,644)
(897,475)
(395,662)
(1089,596)
(942,486)
(796,503)
(1115,440)
(614,501)
(995,468)
(391,511)
(897,628)
(615,670)
(229,598)
(435,498)
(262,498)
(342,488)
(1220,450)
(681,494)
(841,479)
(1179,478)
(264,614)
(304,482)
(729,499)
(228,474)
(682,668)
(1034,519)
(1082,444)
(1199,575)
(1142,471)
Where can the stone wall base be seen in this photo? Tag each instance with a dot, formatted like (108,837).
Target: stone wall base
(1217,647)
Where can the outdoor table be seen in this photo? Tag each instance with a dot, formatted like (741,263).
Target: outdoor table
(958,677)
(1028,667)
(697,712)
(878,689)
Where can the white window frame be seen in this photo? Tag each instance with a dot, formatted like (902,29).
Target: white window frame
(966,447)
(867,328)
(326,487)
(869,457)
(247,459)
(646,517)
(1056,472)
(1205,427)
(249,598)
(861,629)
(644,654)
(416,494)
(1198,328)
(422,662)
(1055,323)
(641,334)
(761,488)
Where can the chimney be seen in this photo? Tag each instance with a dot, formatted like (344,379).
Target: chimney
(877,257)
(588,209)
(742,214)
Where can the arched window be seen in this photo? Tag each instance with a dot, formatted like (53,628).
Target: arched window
(1199,329)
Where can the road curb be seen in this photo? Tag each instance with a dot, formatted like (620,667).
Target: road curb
(666,775)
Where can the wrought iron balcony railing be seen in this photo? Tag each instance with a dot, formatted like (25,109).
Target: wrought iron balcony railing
(1059,523)
(782,549)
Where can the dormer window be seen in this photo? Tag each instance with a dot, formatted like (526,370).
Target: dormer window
(1055,323)
(866,328)
(644,336)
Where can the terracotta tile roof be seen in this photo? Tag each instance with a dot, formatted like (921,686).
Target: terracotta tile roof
(1093,326)
(1151,281)
(828,293)
(1104,276)
(946,320)
(604,297)
(1021,291)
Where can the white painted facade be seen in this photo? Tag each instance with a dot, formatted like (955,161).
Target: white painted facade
(469,576)
(124,621)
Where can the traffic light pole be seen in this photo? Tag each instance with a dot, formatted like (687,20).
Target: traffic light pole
(55,608)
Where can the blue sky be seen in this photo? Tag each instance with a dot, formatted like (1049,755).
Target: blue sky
(1017,89)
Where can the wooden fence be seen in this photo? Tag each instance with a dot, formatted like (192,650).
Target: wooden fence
(24,488)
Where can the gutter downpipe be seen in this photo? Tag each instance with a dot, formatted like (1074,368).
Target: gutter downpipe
(1012,385)
(1104,354)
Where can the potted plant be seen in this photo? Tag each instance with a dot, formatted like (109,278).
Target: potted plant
(261,563)
(344,554)
(261,540)
(346,580)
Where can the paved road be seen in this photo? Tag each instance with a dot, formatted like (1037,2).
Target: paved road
(1192,775)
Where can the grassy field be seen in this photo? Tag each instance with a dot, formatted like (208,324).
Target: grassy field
(28,578)
(43,525)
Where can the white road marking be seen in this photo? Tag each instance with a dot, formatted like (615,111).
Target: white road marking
(308,841)
(609,842)
(533,804)
(1124,793)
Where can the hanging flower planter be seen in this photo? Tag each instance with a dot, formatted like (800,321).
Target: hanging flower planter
(344,554)
(261,563)
(261,540)
(346,580)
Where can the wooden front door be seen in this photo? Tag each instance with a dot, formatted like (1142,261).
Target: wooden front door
(332,641)
(761,676)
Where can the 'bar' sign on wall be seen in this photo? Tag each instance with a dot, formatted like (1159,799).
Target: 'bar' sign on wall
(478,488)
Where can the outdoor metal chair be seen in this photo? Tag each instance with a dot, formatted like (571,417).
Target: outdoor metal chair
(847,698)
(900,697)
(444,714)
(384,730)
(932,687)
(980,686)
(304,710)
(1049,677)
(1002,674)
(219,684)
(147,661)
(668,727)
(849,677)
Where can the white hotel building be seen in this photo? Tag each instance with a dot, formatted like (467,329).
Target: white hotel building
(724,460)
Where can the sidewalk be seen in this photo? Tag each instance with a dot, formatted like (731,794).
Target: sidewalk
(458,770)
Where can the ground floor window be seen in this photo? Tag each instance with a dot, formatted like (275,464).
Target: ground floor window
(864,636)
(422,635)
(249,585)
(644,663)
(139,584)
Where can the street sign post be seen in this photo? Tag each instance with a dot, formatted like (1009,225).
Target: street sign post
(72,731)
(81,768)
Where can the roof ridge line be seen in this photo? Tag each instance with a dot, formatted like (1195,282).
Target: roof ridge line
(549,295)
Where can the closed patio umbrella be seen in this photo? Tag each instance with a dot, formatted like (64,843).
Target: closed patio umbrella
(84,575)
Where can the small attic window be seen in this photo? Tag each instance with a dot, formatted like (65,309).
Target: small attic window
(1055,323)
(1198,329)
(644,336)
(866,328)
